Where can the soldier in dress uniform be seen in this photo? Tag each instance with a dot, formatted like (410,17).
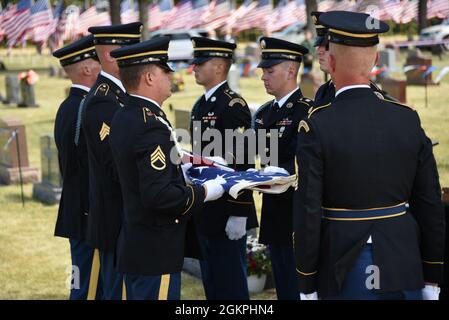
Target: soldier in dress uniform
(280,64)
(81,65)
(222,235)
(326,92)
(158,205)
(362,161)
(104,99)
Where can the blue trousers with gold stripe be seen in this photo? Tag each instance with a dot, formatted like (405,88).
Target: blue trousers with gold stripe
(354,287)
(112,281)
(164,287)
(284,271)
(223,269)
(82,258)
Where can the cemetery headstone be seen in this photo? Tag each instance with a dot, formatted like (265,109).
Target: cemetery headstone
(27,92)
(387,58)
(234,78)
(50,188)
(14,153)
(12,89)
(416,76)
(395,88)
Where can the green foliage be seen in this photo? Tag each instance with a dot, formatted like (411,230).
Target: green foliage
(257,258)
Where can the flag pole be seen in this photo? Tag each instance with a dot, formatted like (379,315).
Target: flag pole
(425,84)
(16,131)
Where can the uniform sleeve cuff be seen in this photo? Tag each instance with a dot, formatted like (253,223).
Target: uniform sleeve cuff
(307,281)
(433,271)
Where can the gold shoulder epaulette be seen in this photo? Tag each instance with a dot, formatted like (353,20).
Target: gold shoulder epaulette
(102,89)
(398,103)
(146,113)
(313,110)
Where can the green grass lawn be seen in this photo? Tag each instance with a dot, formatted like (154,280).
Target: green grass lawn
(33,263)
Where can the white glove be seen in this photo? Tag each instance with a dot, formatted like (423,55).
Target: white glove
(218,160)
(236,227)
(185,167)
(214,189)
(310,296)
(430,292)
(272,169)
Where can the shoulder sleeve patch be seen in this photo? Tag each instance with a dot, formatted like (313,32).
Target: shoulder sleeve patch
(237,100)
(102,89)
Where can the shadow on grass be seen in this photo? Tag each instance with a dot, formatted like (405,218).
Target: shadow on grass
(17,198)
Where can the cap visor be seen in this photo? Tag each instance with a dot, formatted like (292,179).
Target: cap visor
(200,60)
(166,66)
(269,63)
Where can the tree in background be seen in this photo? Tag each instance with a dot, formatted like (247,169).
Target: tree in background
(422,14)
(114,11)
(143,17)
(311,5)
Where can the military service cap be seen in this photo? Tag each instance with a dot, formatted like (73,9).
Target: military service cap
(205,49)
(152,51)
(121,34)
(275,51)
(321,31)
(77,51)
(352,28)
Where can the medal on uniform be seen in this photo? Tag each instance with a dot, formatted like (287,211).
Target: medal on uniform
(281,131)
(213,99)
(289,105)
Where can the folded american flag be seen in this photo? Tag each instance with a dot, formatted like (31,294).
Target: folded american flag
(236,181)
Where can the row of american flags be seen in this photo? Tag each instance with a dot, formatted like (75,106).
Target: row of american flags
(38,21)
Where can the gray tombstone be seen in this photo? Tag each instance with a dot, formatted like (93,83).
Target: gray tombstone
(182,119)
(234,78)
(12,89)
(387,58)
(14,153)
(50,188)
(54,71)
(27,92)
(252,51)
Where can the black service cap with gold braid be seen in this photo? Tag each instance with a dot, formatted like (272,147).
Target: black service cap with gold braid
(152,51)
(321,31)
(121,34)
(352,28)
(275,51)
(77,51)
(205,49)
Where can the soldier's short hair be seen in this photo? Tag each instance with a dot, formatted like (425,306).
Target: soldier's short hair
(130,76)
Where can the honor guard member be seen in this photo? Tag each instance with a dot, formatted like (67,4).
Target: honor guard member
(326,92)
(223,234)
(280,65)
(158,205)
(361,162)
(100,105)
(81,65)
